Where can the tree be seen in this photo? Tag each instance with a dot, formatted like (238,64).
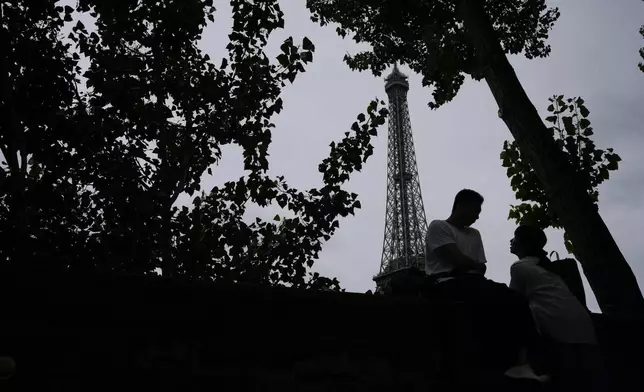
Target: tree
(641,65)
(571,129)
(102,168)
(41,196)
(444,40)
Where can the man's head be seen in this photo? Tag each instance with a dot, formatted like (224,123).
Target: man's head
(467,207)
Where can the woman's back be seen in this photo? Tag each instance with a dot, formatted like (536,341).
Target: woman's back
(556,311)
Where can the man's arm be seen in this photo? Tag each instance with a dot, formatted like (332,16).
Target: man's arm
(452,255)
(481,256)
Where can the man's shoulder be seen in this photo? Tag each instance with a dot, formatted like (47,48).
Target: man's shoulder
(438,225)
(438,222)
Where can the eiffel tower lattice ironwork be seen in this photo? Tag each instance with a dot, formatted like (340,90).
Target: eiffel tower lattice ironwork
(405,221)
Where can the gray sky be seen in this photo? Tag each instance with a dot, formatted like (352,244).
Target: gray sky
(595,54)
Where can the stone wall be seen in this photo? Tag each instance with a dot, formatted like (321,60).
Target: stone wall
(113,333)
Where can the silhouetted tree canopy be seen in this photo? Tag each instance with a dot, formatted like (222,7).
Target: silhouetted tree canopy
(429,36)
(104,128)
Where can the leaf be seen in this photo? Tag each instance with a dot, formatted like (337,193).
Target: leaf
(282,200)
(551,108)
(283,60)
(287,46)
(598,155)
(584,111)
(552,119)
(568,125)
(584,123)
(307,56)
(277,218)
(516,181)
(361,117)
(307,44)
(613,165)
(588,132)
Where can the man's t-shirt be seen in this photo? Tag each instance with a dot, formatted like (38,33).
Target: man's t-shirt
(440,232)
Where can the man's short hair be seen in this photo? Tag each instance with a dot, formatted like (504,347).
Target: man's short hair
(467,196)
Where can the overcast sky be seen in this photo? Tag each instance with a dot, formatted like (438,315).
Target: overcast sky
(594,55)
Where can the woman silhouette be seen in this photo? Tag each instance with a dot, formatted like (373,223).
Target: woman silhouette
(571,353)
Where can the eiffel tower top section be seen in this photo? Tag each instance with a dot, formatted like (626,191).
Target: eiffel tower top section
(396,78)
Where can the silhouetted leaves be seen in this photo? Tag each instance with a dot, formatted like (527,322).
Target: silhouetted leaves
(307,44)
(571,130)
(641,64)
(428,36)
(93,180)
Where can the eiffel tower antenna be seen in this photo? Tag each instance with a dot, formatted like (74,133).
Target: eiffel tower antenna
(405,221)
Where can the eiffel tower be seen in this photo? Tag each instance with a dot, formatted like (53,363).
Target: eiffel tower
(405,222)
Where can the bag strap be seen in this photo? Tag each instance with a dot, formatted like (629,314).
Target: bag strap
(555,253)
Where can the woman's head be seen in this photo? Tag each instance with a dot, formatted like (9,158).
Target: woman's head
(528,241)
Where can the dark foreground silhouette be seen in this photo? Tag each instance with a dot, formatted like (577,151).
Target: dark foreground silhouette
(107,333)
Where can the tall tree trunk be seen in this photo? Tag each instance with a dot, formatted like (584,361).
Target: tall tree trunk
(608,273)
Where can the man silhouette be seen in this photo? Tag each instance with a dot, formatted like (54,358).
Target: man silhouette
(452,246)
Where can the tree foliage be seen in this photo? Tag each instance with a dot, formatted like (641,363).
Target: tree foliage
(572,131)
(429,36)
(641,64)
(96,157)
